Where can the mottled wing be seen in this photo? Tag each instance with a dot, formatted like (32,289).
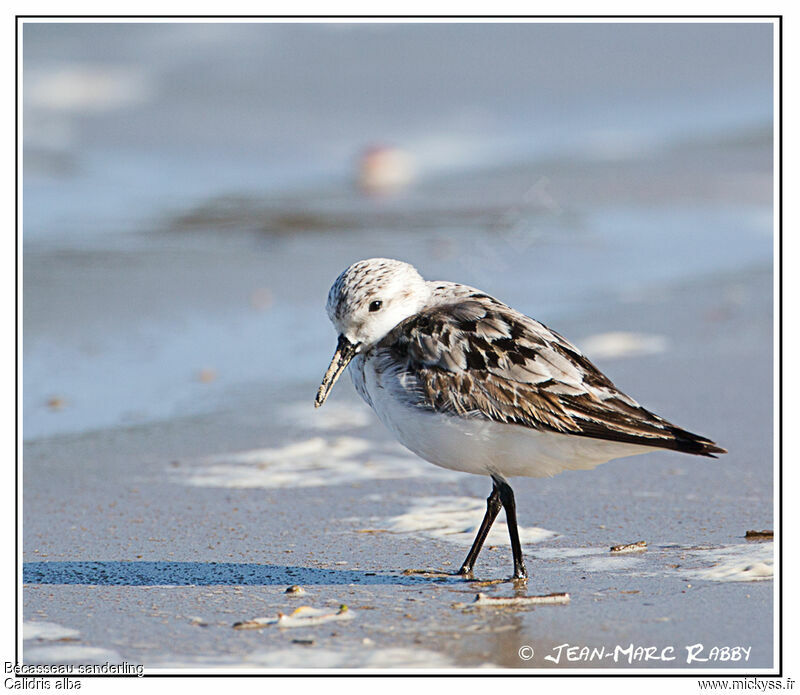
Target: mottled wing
(476,357)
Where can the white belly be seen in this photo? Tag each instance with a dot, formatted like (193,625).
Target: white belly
(482,446)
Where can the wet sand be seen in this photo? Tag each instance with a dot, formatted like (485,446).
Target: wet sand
(152,540)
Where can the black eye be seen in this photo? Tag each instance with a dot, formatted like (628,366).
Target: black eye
(376,305)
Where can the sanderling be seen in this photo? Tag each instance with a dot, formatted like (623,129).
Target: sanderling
(468,383)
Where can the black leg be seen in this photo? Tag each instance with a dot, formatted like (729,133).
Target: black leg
(493,505)
(507,499)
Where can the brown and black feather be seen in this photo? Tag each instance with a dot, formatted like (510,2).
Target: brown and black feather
(477,357)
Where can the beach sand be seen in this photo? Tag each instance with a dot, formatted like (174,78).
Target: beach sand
(152,540)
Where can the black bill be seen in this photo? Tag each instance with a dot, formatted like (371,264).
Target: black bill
(345,351)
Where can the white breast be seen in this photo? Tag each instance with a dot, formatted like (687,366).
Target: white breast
(476,444)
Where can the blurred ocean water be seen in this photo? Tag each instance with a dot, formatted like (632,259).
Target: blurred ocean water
(189,189)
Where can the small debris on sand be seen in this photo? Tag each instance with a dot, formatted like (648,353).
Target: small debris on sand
(488,582)
(482,600)
(428,573)
(630,547)
(295,590)
(304,616)
(757,535)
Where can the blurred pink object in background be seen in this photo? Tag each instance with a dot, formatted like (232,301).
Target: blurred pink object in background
(384,169)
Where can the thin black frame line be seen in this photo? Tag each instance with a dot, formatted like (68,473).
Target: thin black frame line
(400,16)
(17,461)
(464,673)
(779,366)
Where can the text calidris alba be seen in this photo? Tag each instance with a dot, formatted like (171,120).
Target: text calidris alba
(472,385)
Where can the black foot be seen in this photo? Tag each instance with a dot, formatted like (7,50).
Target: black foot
(501,497)
(520,575)
(465,572)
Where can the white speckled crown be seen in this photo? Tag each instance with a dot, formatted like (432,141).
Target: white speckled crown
(398,287)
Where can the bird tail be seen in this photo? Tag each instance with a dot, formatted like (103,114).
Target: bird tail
(690,443)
